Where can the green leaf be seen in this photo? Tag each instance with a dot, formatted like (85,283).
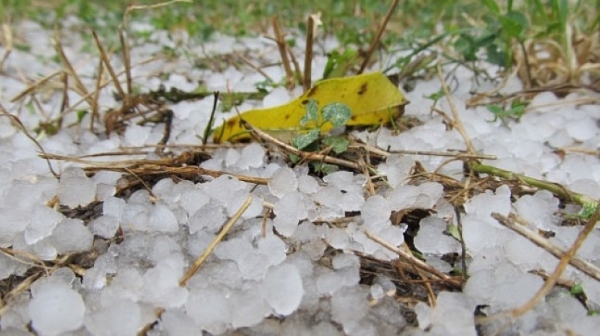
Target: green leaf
(302,141)
(312,113)
(338,114)
(453,229)
(495,109)
(80,115)
(497,55)
(514,24)
(465,45)
(324,168)
(436,95)
(339,144)
(492,6)
(577,289)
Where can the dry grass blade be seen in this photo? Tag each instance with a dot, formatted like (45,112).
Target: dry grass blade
(35,85)
(580,264)
(560,268)
(457,123)
(377,38)
(20,125)
(106,60)
(313,21)
(81,89)
(215,242)
(154,6)
(8,43)
(457,283)
(281,44)
(127,65)
(304,155)
(154,167)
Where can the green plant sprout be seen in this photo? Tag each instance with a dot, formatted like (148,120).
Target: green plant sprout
(516,111)
(337,114)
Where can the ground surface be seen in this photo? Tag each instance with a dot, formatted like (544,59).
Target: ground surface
(103,247)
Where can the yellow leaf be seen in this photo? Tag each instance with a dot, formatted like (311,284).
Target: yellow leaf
(372,98)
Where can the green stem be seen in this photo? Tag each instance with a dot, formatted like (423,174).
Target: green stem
(554,188)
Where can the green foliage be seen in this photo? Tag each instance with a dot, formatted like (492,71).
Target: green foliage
(515,111)
(335,113)
(587,211)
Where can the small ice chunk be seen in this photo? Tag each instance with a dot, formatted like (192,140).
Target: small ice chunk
(113,206)
(289,211)
(248,308)
(75,188)
(328,196)
(337,238)
(397,169)
(273,248)
(104,226)
(582,129)
(376,209)
(282,289)
(120,318)
(308,184)
(351,201)
(452,316)
(193,200)
(162,219)
(71,236)
(283,182)
(210,309)
(221,188)
(43,221)
(176,322)
(348,306)
(484,204)
(56,309)
(209,217)
(430,238)
(252,156)
(538,209)
(161,284)
(278,96)
(136,135)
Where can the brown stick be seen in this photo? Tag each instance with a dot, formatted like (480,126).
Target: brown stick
(281,44)
(377,38)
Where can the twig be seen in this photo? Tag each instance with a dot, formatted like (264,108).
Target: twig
(377,38)
(281,44)
(211,119)
(308,50)
(554,188)
(560,268)
(253,66)
(106,61)
(8,43)
(152,167)
(458,155)
(304,155)
(70,70)
(153,6)
(414,261)
(457,123)
(215,242)
(20,125)
(580,264)
(127,65)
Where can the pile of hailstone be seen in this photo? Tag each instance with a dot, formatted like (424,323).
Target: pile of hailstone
(138,247)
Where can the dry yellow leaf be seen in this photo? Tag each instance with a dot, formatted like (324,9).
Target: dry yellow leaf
(372,98)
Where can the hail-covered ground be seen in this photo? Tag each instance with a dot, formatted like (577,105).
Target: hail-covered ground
(278,284)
